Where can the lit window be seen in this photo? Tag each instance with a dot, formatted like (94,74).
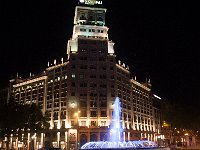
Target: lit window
(103,123)
(83,123)
(93,123)
(73,76)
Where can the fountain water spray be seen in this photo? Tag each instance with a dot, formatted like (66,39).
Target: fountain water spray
(115,134)
(116,128)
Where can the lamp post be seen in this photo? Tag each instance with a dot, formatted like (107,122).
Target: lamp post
(77,127)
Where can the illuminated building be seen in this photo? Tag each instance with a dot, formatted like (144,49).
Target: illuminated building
(89,81)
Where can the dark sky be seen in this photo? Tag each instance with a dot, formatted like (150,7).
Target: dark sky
(159,40)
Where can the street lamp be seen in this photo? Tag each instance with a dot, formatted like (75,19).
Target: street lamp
(77,127)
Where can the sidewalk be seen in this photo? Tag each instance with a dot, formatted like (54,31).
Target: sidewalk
(197,147)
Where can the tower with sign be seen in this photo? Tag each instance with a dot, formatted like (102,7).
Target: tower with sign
(89,24)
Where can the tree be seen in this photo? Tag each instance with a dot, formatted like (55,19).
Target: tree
(18,118)
(36,121)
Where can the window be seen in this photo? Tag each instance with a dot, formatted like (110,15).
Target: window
(93,123)
(103,103)
(63,124)
(93,114)
(102,76)
(72,93)
(81,76)
(73,76)
(83,104)
(73,123)
(73,84)
(83,84)
(103,123)
(55,124)
(82,29)
(83,67)
(83,113)
(83,123)
(100,31)
(93,85)
(93,67)
(92,76)
(103,114)
(93,104)
(73,66)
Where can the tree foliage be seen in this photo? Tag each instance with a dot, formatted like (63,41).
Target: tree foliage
(15,118)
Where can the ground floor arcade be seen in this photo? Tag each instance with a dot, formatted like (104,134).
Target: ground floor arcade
(69,139)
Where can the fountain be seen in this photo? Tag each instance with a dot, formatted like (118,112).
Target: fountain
(116,128)
(115,133)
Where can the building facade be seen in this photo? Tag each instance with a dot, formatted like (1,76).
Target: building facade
(79,93)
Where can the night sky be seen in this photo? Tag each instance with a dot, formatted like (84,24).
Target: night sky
(159,40)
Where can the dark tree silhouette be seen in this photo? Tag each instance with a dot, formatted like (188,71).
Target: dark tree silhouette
(20,118)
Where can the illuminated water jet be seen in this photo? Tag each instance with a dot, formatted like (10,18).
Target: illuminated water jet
(116,132)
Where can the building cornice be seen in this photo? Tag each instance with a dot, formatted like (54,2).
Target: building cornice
(140,85)
(90,8)
(123,68)
(30,81)
(57,66)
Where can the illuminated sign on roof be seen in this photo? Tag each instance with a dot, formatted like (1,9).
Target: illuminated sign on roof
(90,2)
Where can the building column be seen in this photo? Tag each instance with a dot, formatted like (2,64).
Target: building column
(11,141)
(124,136)
(58,139)
(42,140)
(67,139)
(28,141)
(35,142)
(154,138)
(98,136)
(128,136)
(16,142)
(148,137)
(88,137)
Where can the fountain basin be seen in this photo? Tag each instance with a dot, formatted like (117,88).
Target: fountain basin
(145,144)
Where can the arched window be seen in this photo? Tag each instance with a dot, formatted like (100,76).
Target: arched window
(83,139)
